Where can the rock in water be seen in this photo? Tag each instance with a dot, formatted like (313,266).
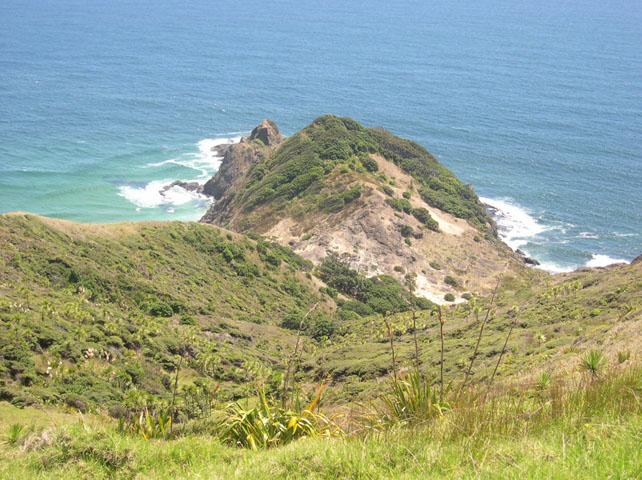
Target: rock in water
(189,186)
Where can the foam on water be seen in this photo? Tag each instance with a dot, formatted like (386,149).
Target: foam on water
(156,193)
(515,225)
(625,234)
(553,267)
(587,235)
(152,195)
(603,261)
(206,161)
(517,228)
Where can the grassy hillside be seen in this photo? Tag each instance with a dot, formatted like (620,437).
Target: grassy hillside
(586,429)
(101,316)
(89,313)
(122,346)
(552,322)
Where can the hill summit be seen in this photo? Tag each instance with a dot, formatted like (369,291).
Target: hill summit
(382,203)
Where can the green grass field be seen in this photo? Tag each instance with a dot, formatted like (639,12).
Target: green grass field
(586,428)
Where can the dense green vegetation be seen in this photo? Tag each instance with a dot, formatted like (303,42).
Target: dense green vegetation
(93,320)
(101,316)
(303,162)
(379,294)
(438,186)
(552,325)
(424,217)
(321,166)
(199,342)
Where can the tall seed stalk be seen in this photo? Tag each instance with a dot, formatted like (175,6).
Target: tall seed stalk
(490,382)
(171,409)
(481,332)
(411,285)
(441,334)
(286,379)
(392,346)
(414,334)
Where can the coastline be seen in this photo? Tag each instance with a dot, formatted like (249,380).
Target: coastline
(519,229)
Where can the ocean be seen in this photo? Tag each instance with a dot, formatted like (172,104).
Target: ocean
(537,104)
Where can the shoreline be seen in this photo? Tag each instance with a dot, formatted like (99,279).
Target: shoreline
(517,228)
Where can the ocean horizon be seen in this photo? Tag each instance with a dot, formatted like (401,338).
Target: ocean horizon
(538,106)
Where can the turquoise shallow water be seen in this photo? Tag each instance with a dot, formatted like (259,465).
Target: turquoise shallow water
(537,104)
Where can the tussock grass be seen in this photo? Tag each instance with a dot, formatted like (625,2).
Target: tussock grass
(579,427)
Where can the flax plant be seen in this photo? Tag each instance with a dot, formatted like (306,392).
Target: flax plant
(269,425)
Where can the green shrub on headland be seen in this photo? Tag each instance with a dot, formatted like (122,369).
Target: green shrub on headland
(450,280)
(380,294)
(438,186)
(299,169)
(336,203)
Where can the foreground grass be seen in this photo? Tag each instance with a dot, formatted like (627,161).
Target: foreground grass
(603,449)
(582,427)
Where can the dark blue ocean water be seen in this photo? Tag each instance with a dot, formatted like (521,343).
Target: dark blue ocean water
(537,104)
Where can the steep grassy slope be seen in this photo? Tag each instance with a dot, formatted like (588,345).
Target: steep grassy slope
(105,318)
(98,315)
(88,313)
(555,321)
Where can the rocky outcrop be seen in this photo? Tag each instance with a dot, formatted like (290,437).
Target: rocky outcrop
(237,161)
(527,260)
(238,158)
(267,133)
(189,186)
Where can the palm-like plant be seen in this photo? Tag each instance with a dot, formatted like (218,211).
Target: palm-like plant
(541,338)
(13,434)
(593,361)
(148,426)
(543,381)
(410,398)
(269,425)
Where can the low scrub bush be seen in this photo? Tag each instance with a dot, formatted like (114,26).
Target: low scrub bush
(423,215)
(161,309)
(369,163)
(270,425)
(450,280)
(406,231)
(399,204)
